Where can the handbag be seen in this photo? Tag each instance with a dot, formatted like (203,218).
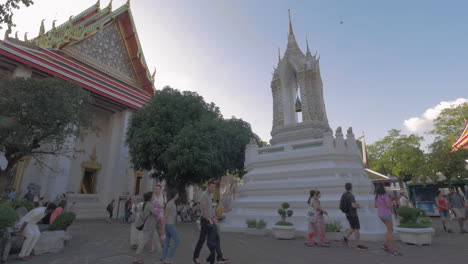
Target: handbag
(311,215)
(140,227)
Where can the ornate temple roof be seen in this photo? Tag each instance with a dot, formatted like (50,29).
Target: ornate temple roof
(97,45)
(462,141)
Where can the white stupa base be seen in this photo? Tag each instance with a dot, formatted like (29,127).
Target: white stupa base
(287,172)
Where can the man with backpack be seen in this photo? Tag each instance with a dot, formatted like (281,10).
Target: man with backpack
(349,206)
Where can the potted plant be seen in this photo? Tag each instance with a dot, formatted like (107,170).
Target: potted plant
(334,229)
(284,229)
(415,227)
(256,228)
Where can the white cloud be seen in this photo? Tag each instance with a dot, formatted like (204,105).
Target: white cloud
(421,124)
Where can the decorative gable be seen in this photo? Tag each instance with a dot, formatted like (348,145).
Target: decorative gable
(106,50)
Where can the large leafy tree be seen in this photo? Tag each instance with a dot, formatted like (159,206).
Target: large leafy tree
(450,121)
(398,155)
(6,10)
(183,140)
(37,116)
(447,127)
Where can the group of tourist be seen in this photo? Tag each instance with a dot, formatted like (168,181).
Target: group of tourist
(45,214)
(155,221)
(455,203)
(348,205)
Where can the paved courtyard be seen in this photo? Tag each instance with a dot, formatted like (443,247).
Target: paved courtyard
(98,242)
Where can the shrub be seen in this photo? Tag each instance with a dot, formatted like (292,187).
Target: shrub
(63,221)
(261,224)
(251,223)
(413,218)
(334,226)
(284,212)
(284,223)
(26,204)
(7,216)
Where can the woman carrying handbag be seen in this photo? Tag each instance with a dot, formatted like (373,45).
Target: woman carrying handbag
(146,224)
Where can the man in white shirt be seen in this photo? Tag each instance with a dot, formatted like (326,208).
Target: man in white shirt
(30,230)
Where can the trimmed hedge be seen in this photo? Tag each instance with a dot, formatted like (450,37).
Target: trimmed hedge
(63,221)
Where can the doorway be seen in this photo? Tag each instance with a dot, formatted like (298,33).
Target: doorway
(88,184)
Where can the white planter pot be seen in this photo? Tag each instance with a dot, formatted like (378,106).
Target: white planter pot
(284,232)
(416,236)
(255,231)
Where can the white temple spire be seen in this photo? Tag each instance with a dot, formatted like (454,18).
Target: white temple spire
(308,50)
(292,44)
(279,55)
(290,23)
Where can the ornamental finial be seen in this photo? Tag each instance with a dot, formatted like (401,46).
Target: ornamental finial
(127,5)
(307,43)
(109,6)
(290,23)
(279,55)
(154,74)
(98,3)
(42,28)
(53,24)
(16,35)
(8,32)
(26,36)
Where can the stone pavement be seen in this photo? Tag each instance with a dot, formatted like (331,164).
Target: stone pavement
(101,243)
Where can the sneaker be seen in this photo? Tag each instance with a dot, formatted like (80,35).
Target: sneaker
(196,261)
(384,247)
(223,260)
(362,247)
(344,240)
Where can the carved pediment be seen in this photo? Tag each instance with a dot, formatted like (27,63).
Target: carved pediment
(106,50)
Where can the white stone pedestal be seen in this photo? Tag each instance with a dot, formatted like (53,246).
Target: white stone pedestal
(287,172)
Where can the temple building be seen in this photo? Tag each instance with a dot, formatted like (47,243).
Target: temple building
(99,50)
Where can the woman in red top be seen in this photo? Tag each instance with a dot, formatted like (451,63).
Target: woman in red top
(443,210)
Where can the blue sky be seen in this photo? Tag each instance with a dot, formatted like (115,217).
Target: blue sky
(388,62)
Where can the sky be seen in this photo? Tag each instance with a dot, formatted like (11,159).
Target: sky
(389,64)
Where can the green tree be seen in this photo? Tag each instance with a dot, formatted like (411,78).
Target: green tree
(37,116)
(447,127)
(6,10)
(397,155)
(183,140)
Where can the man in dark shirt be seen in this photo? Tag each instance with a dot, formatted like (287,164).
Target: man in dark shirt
(349,206)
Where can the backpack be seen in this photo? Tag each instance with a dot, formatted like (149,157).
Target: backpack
(344,205)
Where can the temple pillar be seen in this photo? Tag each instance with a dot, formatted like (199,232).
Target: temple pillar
(116,169)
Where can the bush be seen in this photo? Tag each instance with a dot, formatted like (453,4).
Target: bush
(333,227)
(251,223)
(63,221)
(284,212)
(8,216)
(26,204)
(261,224)
(413,218)
(284,223)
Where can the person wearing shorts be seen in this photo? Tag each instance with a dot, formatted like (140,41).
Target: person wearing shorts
(349,206)
(442,205)
(457,205)
(384,206)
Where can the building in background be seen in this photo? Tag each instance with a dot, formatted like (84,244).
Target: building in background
(99,50)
